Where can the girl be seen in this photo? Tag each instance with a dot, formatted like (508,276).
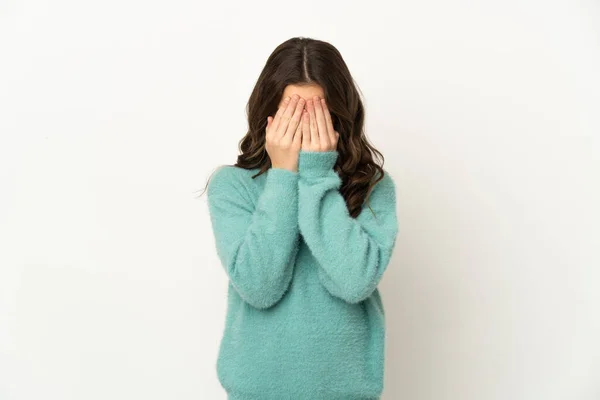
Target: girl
(304,225)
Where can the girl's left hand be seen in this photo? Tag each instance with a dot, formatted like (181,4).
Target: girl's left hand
(317,128)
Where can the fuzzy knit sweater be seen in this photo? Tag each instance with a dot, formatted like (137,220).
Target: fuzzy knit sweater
(305,320)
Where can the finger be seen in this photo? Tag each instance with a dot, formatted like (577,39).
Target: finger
(328,122)
(297,141)
(290,136)
(305,130)
(269,123)
(279,113)
(314,133)
(287,116)
(321,125)
(294,121)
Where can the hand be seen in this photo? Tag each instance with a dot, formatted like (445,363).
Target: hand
(317,129)
(284,134)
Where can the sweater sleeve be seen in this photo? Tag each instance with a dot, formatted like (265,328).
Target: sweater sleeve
(256,243)
(352,253)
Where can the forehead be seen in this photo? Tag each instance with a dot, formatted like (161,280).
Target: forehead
(307,92)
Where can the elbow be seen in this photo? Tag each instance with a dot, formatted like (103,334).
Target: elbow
(260,287)
(262,294)
(359,281)
(262,300)
(358,291)
(367,276)
(351,289)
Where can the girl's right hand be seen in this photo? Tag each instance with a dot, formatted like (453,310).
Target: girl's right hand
(284,134)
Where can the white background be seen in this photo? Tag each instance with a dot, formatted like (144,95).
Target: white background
(114,113)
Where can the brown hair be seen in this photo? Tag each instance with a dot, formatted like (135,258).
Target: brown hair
(306,61)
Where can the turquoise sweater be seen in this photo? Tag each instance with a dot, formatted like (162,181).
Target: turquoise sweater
(305,320)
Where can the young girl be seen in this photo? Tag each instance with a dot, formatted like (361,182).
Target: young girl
(304,225)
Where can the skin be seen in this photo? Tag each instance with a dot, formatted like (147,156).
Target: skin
(302,121)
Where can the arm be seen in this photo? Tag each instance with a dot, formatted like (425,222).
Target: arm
(352,253)
(256,245)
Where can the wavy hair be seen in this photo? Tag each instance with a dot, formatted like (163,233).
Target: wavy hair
(305,61)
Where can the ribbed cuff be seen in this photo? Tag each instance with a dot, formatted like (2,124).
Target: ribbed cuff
(279,199)
(282,175)
(316,163)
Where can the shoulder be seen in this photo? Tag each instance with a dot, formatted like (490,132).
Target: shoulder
(386,183)
(384,190)
(228,178)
